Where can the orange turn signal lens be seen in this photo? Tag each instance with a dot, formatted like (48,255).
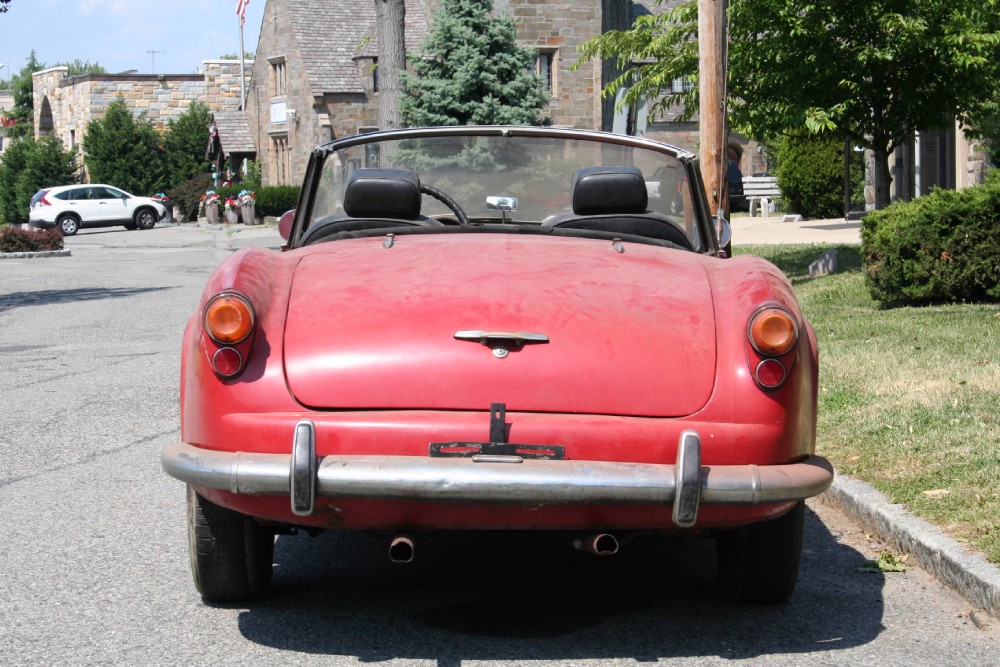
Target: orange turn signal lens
(773,331)
(228,319)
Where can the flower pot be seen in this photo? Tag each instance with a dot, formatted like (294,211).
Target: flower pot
(212,213)
(232,216)
(249,214)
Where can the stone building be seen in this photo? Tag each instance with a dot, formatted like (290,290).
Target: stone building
(945,158)
(315,74)
(64,104)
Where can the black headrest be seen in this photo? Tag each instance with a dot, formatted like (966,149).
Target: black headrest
(603,190)
(383,193)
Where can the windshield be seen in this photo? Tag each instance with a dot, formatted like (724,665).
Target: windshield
(510,178)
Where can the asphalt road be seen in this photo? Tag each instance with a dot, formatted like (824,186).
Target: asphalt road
(93,559)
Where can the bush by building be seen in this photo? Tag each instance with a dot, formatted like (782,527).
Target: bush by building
(810,174)
(276,199)
(939,248)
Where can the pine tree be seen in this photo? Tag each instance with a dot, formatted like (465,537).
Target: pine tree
(472,72)
(124,151)
(185,144)
(29,165)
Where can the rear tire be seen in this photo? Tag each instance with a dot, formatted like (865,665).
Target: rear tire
(759,563)
(68,225)
(231,555)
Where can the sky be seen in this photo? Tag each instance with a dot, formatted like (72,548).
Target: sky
(120,34)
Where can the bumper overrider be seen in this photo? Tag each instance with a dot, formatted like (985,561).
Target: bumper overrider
(505,479)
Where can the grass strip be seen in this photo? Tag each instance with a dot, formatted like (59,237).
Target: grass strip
(909,397)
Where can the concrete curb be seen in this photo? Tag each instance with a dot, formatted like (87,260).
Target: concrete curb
(970,574)
(35,255)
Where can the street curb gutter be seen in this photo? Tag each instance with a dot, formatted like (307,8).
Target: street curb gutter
(970,574)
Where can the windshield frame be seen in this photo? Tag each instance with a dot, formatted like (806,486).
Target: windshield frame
(316,166)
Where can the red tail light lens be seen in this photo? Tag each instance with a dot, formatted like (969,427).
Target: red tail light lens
(229,319)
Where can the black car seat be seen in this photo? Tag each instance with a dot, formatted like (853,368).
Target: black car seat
(614,199)
(374,199)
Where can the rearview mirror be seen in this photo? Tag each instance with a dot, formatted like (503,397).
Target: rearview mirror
(285,223)
(502,203)
(723,232)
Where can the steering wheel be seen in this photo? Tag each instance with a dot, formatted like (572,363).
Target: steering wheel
(463,219)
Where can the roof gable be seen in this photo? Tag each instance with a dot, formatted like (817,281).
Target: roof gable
(331,35)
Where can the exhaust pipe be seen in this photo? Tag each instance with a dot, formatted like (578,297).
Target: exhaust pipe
(401,549)
(599,544)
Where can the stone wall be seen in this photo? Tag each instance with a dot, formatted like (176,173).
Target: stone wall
(64,105)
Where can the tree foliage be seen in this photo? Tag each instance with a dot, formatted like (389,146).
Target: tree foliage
(124,151)
(875,71)
(3,6)
(472,71)
(28,166)
(184,144)
(23,112)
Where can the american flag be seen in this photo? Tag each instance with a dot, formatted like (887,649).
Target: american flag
(241,9)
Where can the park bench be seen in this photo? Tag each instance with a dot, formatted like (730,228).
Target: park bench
(760,192)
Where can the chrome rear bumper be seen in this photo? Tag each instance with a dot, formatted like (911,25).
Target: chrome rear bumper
(497,479)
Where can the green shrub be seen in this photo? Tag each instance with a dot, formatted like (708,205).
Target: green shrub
(811,175)
(186,195)
(30,240)
(939,248)
(276,199)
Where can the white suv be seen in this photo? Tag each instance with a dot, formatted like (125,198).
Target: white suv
(92,205)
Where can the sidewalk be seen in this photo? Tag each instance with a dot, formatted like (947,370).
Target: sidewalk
(772,231)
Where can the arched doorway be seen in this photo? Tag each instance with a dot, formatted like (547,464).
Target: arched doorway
(45,124)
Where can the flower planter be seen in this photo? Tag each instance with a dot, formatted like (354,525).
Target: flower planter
(212,213)
(232,216)
(249,214)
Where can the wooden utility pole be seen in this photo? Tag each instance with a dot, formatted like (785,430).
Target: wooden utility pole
(712,106)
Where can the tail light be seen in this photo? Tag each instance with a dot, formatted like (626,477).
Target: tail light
(772,333)
(229,322)
(43,201)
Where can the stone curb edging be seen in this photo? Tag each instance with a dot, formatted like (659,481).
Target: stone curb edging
(35,255)
(970,574)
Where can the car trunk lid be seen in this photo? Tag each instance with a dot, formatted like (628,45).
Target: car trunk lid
(625,333)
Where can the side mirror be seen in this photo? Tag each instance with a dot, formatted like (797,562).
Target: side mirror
(723,232)
(285,223)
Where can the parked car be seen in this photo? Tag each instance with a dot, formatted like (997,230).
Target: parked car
(737,198)
(498,328)
(71,207)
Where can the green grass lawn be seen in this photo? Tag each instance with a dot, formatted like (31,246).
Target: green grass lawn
(909,397)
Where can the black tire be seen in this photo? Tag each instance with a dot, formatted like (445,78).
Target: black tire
(231,555)
(145,218)
(68,225)
(759,563)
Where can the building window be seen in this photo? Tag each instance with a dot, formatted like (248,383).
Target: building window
(681,85)
(279,81)
(279,152)
(374,75)
(545,68)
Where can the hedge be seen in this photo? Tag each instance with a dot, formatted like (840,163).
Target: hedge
(939,248)
(13,239)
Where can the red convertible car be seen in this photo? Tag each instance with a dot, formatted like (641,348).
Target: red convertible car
(498,328)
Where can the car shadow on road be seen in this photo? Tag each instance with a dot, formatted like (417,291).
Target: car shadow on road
(521,596)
